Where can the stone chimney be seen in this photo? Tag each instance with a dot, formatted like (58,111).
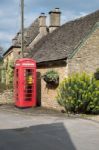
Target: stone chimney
(42,24)
(42,30)
(14,40)
(17,38)
(54,19)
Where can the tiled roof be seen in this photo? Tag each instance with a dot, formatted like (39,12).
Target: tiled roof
(62,42)
(29,34)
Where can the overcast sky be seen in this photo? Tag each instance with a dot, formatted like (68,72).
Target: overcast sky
(10,13)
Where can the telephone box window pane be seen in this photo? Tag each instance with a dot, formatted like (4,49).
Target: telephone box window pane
(17,72)
(28,84)
(16,84)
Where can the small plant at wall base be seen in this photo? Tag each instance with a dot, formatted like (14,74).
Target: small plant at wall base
(96,74)
(10,74)
(79,94)
(51,78)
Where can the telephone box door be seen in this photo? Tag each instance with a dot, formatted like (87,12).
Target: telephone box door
(25,83)
(29,86)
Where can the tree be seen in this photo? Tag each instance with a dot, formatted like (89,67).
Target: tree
(1,51)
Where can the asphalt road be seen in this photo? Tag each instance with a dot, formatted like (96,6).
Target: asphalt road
(27,132)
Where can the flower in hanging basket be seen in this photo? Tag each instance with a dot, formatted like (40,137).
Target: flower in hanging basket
(51,77)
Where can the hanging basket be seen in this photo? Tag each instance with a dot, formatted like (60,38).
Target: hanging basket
(51,78)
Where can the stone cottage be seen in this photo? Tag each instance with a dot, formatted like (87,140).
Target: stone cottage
(73,47)
(14,51)
(32,35)
(68,48)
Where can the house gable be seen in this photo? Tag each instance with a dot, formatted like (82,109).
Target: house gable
(82,42)
(86,57)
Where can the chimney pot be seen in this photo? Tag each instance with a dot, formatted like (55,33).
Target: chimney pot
(42,13)
(57,9)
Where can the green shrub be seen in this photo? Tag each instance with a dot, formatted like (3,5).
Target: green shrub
(96,74)
(4,87)
(93,106)
(79,94)
(10,72)
(2,75)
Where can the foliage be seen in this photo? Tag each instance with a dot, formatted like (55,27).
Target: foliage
(4,87)
(97,70)
(51,77)
(2,74)
(93,106)
(6,71)
(10,72)
(1,60)
(1,52)
(79,94)
(96,74)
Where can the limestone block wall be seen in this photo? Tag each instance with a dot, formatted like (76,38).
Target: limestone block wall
(48,96)
(12,55)
(86,59)
(16,53)
(8,57)
(6,97)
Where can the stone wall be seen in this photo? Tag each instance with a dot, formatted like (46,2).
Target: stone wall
(16,53)
(46,95)
(6,97)
(86,59)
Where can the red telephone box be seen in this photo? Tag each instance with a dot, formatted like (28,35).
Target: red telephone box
(25,83)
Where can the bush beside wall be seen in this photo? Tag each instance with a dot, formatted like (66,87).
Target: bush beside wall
(79,94)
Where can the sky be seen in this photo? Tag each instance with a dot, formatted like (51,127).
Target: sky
(10,14)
